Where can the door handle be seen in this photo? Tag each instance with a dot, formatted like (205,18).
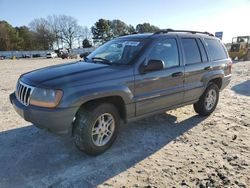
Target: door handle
(177,74)
(208,68)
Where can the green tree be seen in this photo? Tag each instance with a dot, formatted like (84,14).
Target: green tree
(146,28)
(131,29)
(9,39)
(86,43)
(102,31)
(119,28)
(26,38)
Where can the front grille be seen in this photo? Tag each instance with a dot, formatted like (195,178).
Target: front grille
(23,92)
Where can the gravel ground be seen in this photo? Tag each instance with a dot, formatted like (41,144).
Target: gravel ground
(175,149)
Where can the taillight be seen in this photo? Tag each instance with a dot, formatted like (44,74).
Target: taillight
(229,67)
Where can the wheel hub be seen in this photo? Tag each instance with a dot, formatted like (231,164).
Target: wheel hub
(103,129)
(210,99)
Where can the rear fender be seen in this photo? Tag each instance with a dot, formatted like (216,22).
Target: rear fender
(210,76)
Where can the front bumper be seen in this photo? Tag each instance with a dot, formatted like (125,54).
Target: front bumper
(58,120)
(225,81)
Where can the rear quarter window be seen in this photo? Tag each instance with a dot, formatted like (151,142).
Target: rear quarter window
(215,49)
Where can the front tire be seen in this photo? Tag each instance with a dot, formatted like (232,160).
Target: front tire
(208,101)
(96,129)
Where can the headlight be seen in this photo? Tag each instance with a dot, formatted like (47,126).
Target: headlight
(46,97)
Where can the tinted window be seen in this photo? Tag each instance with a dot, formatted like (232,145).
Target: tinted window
(202,50)
(216,49)
(167,51)
(191,51)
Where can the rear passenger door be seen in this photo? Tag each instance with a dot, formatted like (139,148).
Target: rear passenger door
(197,66)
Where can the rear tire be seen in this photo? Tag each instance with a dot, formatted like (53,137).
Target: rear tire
(208,101)
(95,129)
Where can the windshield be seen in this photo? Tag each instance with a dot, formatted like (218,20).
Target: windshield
(116,52)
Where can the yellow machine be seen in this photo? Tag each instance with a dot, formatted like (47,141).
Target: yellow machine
(240,48)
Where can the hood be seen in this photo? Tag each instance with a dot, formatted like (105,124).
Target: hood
(72,73)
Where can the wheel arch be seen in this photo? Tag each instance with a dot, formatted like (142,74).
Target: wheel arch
(116,100)
(217,81)
(215,77)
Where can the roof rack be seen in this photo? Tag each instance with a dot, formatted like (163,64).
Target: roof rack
(182,31)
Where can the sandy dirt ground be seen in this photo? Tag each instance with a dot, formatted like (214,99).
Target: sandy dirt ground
(176,149)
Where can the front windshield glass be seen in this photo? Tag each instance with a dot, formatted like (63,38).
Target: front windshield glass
(116,52)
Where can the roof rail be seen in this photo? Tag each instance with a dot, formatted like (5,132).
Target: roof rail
(182,31)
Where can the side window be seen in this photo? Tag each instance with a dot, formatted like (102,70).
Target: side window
(202,50)
(167,51)
(216,50)
(191,51)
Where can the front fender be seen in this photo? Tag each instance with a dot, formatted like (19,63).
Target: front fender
(83,95)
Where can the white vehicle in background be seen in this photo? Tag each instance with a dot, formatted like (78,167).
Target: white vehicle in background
(51,55)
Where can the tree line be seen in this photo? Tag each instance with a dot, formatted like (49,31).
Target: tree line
(61,31)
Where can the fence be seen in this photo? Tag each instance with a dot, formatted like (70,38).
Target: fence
(41,53)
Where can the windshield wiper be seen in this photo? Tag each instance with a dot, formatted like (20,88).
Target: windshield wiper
(102,60)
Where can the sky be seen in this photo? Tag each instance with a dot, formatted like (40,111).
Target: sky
(230,16)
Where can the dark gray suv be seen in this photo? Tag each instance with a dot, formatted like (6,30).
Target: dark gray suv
(125,79)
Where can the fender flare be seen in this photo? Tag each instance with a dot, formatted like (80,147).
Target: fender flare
(77,98)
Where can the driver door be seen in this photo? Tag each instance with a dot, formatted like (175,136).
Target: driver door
(157,90)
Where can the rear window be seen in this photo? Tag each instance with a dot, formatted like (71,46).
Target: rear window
(216,50)
(191,51)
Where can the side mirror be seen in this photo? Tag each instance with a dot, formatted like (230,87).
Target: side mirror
(84,55)
(152,65)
